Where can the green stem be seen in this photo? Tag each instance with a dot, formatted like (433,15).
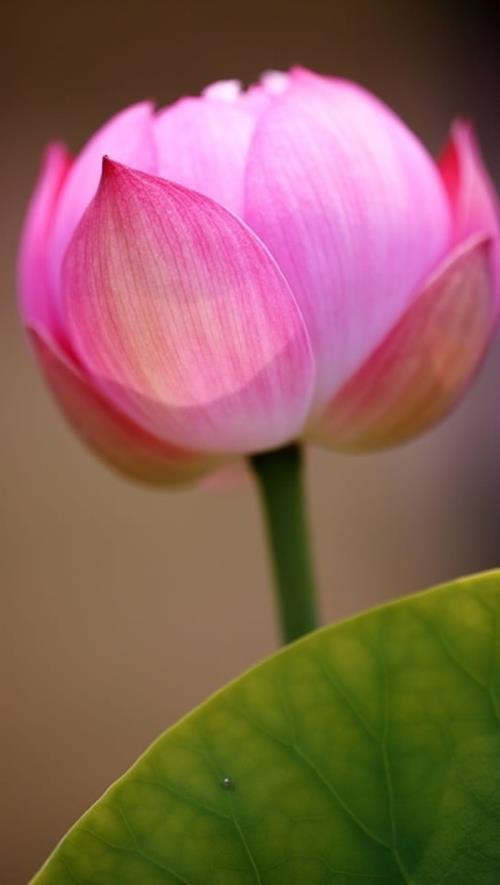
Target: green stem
(279,478)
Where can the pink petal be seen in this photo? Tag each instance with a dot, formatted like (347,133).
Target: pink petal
(473,199)
(421,369)
(185,318)
(128,138)
(271,85)
(203,145)
(109,433)
(352,208)
(257,97)
(228,91)
(203,142)
(36,303)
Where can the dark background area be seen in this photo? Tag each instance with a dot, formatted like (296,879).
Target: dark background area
(122,607)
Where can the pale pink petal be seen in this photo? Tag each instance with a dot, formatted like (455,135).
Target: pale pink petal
(127,138)
(275,82)
(353,209)
(121,443)
(185,319)
(418,373)
(35,292)
(473,199)
(203,144)
(223,90)
(259,95)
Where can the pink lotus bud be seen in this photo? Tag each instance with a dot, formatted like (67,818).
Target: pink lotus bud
(245,268)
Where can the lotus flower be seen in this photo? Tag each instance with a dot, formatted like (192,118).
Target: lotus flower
(243,269)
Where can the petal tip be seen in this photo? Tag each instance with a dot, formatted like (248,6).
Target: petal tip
(55,149)
(227,91)
(113,171)
(297,71)
(109,166)
(275,82)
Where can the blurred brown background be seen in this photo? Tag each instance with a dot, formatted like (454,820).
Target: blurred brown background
(122,608)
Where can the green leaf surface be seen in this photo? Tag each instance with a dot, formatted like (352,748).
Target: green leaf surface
(368,752)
